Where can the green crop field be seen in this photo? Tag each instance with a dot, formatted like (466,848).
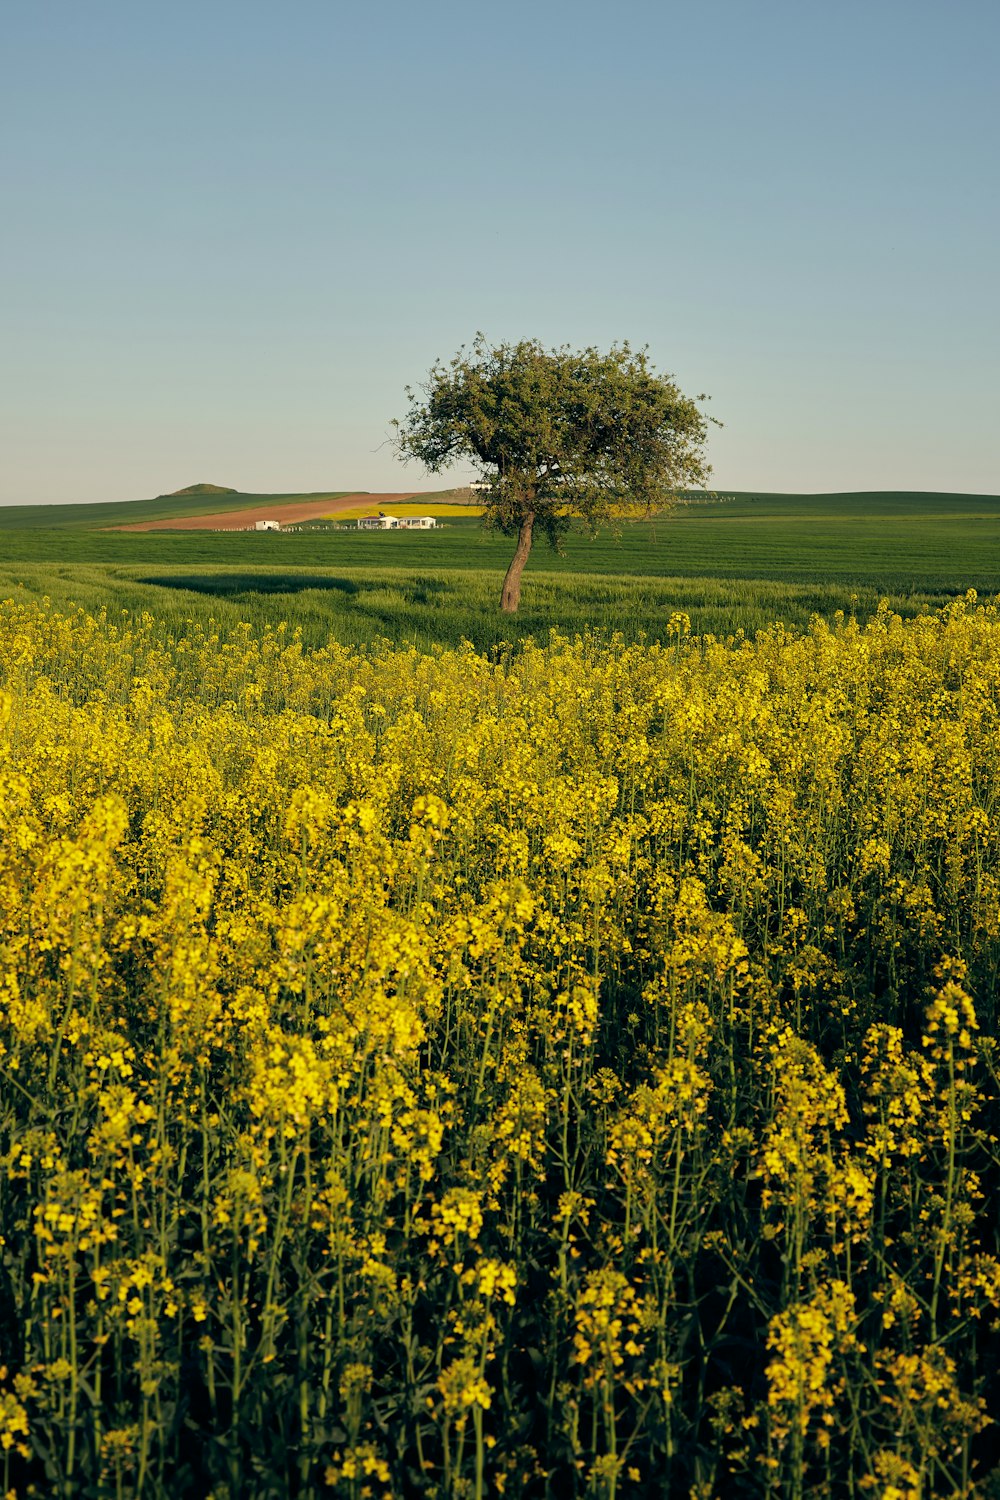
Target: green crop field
(731,563)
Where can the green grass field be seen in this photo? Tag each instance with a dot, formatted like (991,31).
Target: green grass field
(732,563)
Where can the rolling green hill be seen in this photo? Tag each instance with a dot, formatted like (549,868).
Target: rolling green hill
(852,504)
(200,489)
(196,500)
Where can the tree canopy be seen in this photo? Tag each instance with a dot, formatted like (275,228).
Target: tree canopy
(557,433)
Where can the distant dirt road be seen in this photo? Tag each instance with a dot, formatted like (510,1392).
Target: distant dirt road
(301,510)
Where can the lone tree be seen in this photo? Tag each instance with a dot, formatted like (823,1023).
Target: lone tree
(556,433)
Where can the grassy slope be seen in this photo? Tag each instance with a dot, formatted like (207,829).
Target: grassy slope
(856,503)
(361,605)
(732,506)
(160,508)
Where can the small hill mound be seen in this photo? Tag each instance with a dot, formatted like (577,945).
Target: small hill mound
(199,489)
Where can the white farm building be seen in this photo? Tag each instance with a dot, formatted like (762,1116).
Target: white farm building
(396,523)
(267,526)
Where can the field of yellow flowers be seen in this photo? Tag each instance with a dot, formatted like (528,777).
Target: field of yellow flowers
(567,1072)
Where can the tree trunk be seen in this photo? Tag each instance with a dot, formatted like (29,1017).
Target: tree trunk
(510,594)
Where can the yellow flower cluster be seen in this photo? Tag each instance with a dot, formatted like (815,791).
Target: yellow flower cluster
(571,1072)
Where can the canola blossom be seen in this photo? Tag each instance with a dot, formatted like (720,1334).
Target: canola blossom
(571,1072)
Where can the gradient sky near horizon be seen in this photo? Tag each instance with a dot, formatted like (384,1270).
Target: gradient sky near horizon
(234,230)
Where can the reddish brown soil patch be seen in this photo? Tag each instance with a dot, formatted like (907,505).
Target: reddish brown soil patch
(242,520)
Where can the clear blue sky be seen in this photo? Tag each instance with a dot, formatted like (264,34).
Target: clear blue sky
(233,230)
